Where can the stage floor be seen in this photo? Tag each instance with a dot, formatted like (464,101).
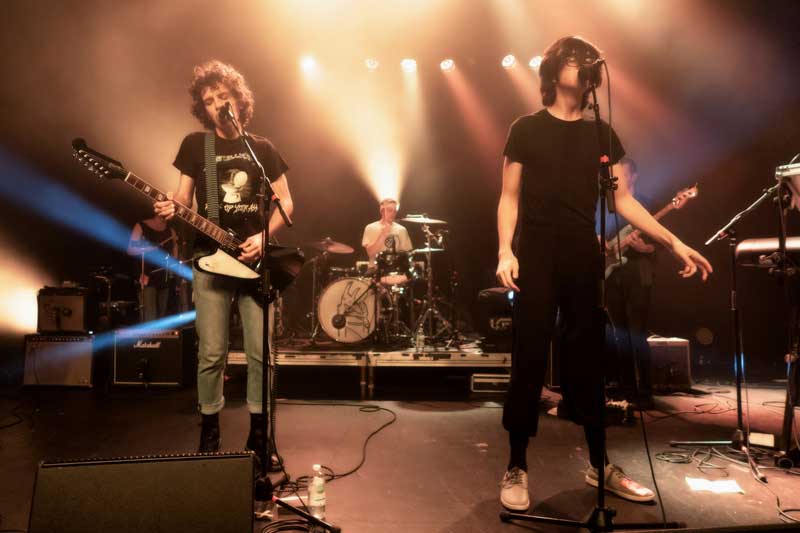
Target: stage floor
(436,469)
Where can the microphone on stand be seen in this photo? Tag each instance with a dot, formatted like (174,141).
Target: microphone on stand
(226,113)
(591,73)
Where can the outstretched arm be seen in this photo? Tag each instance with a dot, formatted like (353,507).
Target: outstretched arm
(641,219)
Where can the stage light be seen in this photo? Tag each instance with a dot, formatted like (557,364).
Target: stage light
(308,64)
(447,65)
(509,61)
(372,63)
(408,65)
(535,62)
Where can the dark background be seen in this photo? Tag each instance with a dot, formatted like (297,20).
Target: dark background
(703,92)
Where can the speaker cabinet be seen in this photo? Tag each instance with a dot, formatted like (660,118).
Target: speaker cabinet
(62,310)
(210,493)
(58,360)
(143,357)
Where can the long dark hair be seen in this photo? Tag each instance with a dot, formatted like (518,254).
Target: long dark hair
(213,73)
(554,59)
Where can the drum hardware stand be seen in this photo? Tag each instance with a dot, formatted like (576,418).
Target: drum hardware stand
(323,257)
(430,313)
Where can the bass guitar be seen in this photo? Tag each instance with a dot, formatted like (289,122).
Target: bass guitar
(615,255)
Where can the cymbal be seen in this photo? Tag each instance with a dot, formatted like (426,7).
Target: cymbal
(421,219)
(426,250)
(329,245)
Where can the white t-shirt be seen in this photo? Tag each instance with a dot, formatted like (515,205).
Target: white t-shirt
(402,240)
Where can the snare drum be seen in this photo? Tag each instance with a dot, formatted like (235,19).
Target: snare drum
(394,268)
(348,309)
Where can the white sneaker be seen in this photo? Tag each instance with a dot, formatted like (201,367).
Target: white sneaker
(514,490)
(617,482)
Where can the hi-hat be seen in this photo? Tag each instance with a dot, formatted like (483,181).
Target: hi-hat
(426,250)
(329,245)
(422,219)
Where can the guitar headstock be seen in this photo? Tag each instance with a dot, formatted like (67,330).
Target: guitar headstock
(102,165)
(684,196)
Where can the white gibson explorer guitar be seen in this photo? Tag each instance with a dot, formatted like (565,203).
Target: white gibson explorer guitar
(284,263)
(627,233)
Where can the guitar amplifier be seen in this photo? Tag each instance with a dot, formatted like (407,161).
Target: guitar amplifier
(62,310)
(670,368)
(148,357)
(58,360)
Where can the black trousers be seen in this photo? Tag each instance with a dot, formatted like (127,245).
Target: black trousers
(559,270)
(628,298)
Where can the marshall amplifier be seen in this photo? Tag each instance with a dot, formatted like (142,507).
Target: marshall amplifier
(148,357)
(64,360)
(62,310)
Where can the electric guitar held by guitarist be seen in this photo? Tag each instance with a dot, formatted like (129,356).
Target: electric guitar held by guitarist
(615,254)
(284,263)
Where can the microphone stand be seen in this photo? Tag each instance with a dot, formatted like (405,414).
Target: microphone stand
(263,485)
(740,440)
(601,518)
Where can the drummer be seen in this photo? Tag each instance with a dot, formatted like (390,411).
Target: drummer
(385,233)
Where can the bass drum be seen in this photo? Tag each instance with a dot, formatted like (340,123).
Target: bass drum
(348,309)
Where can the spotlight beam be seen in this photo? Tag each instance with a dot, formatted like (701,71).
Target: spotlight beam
(58,204)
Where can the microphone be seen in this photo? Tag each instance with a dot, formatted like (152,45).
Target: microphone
(590,73)
(226,113)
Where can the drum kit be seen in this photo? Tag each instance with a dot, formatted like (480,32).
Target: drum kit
(376,302)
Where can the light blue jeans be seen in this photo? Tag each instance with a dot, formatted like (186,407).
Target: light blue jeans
(213,296)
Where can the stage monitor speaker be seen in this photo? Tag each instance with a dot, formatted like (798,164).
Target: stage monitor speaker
(670,368)
(210,493)
(148,357)
(62,310)
(58,360)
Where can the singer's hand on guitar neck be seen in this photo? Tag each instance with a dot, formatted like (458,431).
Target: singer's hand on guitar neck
(165,209)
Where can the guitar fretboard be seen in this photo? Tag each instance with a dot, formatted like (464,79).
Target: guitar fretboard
(201,224)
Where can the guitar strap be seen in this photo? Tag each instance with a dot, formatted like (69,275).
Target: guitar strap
(212,190)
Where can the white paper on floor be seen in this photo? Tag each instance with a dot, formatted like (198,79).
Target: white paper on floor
(720,486)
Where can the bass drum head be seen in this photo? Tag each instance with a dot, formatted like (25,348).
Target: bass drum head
(346,309)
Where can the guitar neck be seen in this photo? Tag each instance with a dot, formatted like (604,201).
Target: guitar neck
(199,223)
(626,241)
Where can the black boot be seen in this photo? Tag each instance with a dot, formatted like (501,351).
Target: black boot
(209,434)
(256,441)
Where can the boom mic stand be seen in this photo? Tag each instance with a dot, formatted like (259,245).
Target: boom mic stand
(263,485)
(602,518)
(740,440)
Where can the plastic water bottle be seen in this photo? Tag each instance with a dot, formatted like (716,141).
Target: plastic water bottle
(419,340)
(316,493)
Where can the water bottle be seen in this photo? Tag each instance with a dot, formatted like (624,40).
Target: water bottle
(316,493)
(419,340)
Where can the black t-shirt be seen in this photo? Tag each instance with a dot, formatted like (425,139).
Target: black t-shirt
(237,178)
(560,161)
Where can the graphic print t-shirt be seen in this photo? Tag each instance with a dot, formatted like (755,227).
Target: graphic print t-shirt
(237,179)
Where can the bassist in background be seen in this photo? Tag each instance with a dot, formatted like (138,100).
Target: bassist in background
(628,292)
(214,85)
